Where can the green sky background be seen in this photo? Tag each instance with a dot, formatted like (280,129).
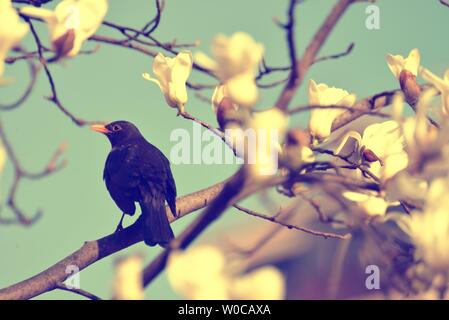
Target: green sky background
(108,86)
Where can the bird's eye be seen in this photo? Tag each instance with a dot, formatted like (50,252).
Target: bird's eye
(116,128)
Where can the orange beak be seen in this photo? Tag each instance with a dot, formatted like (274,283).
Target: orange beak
(99,128)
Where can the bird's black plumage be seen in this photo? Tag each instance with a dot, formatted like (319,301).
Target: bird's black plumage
(137,171)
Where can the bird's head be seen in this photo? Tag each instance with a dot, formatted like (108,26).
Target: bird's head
(118,132)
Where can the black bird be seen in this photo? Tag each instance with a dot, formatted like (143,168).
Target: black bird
(137,171)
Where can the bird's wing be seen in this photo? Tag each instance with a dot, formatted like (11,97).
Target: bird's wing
(170,188)
(155,170)
(119,181)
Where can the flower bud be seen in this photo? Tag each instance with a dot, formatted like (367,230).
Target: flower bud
(64,44)
(410,87)
(298,137)
(226,112)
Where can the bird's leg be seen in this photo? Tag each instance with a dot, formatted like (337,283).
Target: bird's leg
(120,224)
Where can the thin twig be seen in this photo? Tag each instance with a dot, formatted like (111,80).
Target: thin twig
(311,52)
(347,108)
(337,55)
(290,30)
(54,97)
(33,76)
(79,291)
(20,173)
(274,219)
(365,171)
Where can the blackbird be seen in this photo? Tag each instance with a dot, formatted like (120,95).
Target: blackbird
(137,171)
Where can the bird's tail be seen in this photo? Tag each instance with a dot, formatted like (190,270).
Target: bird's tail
(156,227)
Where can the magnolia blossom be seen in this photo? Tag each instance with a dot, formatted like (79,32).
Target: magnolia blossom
(220,93)
(441,84)
(225,109)
(269,128)
(420,137)
(236,61)
(12,30)
(371,204)
(297,149)
(320,123)
(381,148)
(190,276)
(430,229)
(406,70)
(71,23)
(398,63)
(404,186)
(128,279)
(265,283)
(258,140)
(172,75)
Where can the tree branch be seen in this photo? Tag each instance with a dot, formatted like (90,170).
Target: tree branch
(54,97)
(93,251)
(33,76)
(231,190)
(365,106)
(19,174)
(274,219)
(81,292)
(311,52)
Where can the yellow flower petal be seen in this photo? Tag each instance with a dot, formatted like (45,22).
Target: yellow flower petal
(12,30)
(266,283)
(128,279)
(83,17)
(397,63)
(243,90)
(172,75)
(321,120)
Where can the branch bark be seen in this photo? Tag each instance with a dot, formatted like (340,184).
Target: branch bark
(311,52)
(93,251)
(227,196)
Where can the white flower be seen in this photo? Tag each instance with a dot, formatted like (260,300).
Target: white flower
(258,140)
(296,150)
(406,187)
(71,23)
(12,30)
(198,273)
(266,283)
(128,279)
(269,127)
(430,229)
(220,92)
(320,122)
(420,137)
(371,204)
(236,61)
(381,148)
(172,75)
(398,63)
(224,108)
(441,84)
(202,272)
